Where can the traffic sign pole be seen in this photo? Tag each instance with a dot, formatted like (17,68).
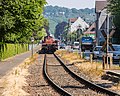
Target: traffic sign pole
(107,38)
(32,40)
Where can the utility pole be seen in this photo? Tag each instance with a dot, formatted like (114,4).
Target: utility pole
(80,33)
(107,49)
(97,30)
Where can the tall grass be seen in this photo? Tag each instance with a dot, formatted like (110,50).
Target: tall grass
(89,69)
(10,50)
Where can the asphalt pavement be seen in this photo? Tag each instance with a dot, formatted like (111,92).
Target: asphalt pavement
(12,62)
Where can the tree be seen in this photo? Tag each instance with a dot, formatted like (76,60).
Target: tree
(20,18)
(59,29)
(114,9)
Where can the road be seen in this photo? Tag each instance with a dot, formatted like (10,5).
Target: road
(12,62)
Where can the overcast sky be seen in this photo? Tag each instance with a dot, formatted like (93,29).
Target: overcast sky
(79,4)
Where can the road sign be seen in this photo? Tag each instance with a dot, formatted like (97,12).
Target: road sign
(32,39)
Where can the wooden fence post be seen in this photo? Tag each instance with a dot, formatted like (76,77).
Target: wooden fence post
(81,55)
(103,62)
(91,58)
(110,55)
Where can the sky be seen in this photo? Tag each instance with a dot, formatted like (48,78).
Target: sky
(78,4)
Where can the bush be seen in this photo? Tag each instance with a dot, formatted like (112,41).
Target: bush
(9,50)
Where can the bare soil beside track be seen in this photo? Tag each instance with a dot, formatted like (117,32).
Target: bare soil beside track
(58,74)
(29,77)
(92,72)
(37,85)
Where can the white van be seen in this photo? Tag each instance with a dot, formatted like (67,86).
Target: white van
(76,45)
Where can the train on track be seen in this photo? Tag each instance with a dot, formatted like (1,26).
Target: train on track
(87,43)
(49,44)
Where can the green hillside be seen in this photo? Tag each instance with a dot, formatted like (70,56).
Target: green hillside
(57,15)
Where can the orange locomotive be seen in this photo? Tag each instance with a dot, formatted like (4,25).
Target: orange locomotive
(49,44)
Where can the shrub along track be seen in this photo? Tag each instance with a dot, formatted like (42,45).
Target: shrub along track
(70,82)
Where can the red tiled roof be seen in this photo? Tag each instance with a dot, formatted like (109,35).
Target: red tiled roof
(89,32)
(72,19)
(91,27)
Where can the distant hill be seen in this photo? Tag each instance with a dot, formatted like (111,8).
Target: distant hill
(57,15)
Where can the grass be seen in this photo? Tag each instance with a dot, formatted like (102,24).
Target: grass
(93,70)
(15,79)
(13,49)
(90,69)
(115,67)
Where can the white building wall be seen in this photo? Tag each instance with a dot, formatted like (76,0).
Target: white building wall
(77,23)
(102,18)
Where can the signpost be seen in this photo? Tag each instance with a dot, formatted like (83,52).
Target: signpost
(32,40)
(79,37)
(107,42)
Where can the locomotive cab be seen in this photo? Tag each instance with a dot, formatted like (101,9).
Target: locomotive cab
(49,45)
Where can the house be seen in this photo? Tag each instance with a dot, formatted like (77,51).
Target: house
(91,31)
(77,23)
(101,20)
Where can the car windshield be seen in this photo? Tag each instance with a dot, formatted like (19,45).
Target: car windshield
(76,44)
(117,48)
(62,44)
(97,48)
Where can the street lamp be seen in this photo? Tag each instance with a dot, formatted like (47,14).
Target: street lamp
(32,40)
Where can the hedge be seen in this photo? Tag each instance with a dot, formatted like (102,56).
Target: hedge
(9,50)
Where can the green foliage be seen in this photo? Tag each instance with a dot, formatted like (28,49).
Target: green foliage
(19,19)
(114,9)
(59,30)
(62,32)
(10,50)
(40,34)
(57,15)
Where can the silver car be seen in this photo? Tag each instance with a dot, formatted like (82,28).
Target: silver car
(97,53)
(116,53)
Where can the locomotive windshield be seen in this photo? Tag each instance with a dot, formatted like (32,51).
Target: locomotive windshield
(87,39)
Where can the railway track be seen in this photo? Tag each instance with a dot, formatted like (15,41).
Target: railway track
(58,88)
(67,83)
(113,73)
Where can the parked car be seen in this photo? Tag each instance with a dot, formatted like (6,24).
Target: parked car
(97,53)
(62,46)
(87,55)
(76,45)
(116,53)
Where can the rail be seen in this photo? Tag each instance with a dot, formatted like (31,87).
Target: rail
(49,80)
(89,84)
(113,73)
